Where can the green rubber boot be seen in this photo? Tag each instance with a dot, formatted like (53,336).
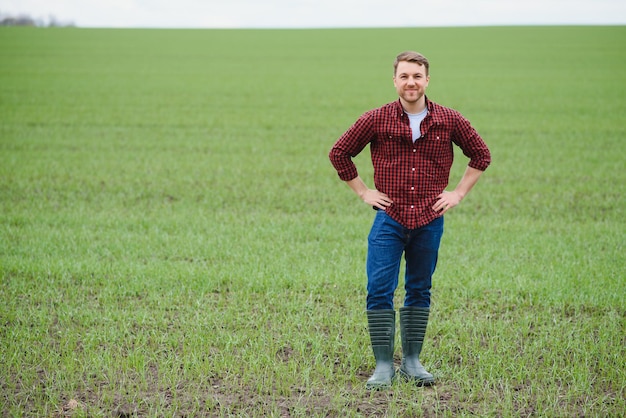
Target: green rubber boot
(382,328)
(413,322)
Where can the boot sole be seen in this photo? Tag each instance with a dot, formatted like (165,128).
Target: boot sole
(376,387)
(419,382)
(381,386)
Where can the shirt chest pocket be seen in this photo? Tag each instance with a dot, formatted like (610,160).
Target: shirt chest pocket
(394,134)
(438,134)
(435,144)
(391,143)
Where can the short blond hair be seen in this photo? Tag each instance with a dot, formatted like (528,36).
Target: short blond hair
(411,56)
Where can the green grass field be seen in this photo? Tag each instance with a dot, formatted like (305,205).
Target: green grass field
(174,241)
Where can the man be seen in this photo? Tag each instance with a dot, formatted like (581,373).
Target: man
(411,143)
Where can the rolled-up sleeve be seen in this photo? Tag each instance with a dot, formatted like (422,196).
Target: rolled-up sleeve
(472,145)
(349,145)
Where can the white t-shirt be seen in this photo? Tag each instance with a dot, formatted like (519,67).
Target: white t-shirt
(416,120)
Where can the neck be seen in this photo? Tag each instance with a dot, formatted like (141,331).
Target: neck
(414,107)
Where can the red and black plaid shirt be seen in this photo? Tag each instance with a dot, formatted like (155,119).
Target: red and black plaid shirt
(411,174)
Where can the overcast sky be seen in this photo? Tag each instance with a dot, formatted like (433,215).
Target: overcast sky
(317,13)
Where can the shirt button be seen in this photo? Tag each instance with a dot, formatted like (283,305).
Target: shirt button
(437,137)
(412,188)
(413,169)
(414,150)
(412,207)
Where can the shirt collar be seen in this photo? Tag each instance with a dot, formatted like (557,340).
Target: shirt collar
(400,109)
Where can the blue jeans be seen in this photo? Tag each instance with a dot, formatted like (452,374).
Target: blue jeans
(387,241)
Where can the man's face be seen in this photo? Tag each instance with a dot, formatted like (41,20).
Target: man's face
(410,81)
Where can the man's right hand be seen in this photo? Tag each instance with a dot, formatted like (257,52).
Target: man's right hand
(376,199)
(372,197)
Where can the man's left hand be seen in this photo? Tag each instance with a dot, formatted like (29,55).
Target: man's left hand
(446,201)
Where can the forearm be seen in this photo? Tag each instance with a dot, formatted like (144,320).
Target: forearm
(358,186)
(469,179)
(448,200)
(370,196)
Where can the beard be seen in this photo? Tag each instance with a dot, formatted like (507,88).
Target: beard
(412,96)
